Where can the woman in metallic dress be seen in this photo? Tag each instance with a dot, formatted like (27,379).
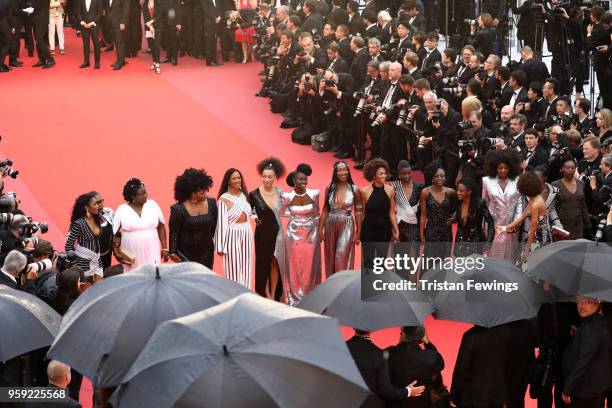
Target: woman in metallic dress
(269,243)
(302,247)
(337,226)
(502,196)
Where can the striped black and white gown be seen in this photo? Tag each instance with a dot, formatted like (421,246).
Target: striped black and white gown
(235,240)
(87,247)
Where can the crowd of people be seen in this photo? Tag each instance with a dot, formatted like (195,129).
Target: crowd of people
(513,158)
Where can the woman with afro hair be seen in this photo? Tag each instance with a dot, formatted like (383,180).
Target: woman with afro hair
(269,243)
(141,225)
(302,246)
(193,219)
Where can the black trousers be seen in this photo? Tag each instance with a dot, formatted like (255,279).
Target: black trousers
(41,31)
(192,32)
(90,33)
(210,31)
(604,76)
(134,30)
(155,45)
(5,39)
(596,402)
(119,40)
(170,39)
(394,146)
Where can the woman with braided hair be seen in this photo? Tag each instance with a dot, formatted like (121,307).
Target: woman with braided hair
(140,225)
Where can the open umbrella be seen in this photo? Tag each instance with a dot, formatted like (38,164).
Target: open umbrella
(27,323)
(247,352)
(576,267)
(340,297)
(496,294)
(107,326)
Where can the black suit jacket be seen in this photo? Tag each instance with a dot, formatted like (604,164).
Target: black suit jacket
(339,65)
(419,23)
(374,369)
(359,67)
(320,61)
(407,363)
(41,11)
(600,196)
(519,144)
(211,11)
(535,70)
(118,12)
(337,16)
(345,50)
(586,360)
(94,15)
(372,32)
(5,280)
(538,158)
(322,8)
(313,22)
(384,35)
(356,25)
(427,62)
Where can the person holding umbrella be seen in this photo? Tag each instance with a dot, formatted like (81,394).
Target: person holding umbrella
(374,369)
(586,360)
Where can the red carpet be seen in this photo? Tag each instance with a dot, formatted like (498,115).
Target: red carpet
(70,131)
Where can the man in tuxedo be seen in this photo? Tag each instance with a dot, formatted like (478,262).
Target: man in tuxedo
(518,83)
(551,85)
(490,83)
(463,65)
(411,65)
(336,63)
(373,366)
(393,137)
(586,359)
(535,70)
(310,58)
(604,192)
(346,51)
(313,22)
(403,43)
(360,60)
(212,10)
(374,50)
(582,107)
(371,30)
(432,56)
(88,14)
(40,18)
(385,22)
(339,99)
(534,154)
(408,362)
(118,13)
(14,263)
(516,140)
(356,23)
(503,76)
(6,27)
(59,378)
(338,15)
(172,14)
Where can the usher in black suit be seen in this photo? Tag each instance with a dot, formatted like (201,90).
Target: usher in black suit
(85,15)
(40,18)
(211,9)
(118,13)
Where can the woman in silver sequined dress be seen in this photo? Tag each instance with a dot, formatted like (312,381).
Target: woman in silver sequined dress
(337,226)
(302,247)
(500,192)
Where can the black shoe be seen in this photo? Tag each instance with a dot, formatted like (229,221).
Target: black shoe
(49,64)
(16,64)
(225,59)
(166,61)
(333,149)
(84,65)
(199,56)
(38,64)
(117,67)
(343,156)
(213,64)
(175,62)
(109,48)
(4,68)
(97,66)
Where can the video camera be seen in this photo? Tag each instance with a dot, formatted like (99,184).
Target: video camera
(7,170)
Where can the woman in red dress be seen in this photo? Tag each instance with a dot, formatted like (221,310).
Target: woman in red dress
(244,33)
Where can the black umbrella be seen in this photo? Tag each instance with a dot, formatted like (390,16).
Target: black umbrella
(495,294)
(340,296)
(248,352)
(107,326)
(576,267)
(27,323)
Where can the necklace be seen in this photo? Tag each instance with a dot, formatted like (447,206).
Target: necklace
(300,195)
(263,190)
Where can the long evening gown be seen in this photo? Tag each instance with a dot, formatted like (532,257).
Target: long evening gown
(269,242)
(339,234)
(438,231)
(235,239)
(543,235)
(502,206)
(572,209)
(302,247)
(470,238)
(191,237)
(376,227)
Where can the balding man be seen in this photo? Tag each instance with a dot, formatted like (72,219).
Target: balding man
(59,378)
(536,70)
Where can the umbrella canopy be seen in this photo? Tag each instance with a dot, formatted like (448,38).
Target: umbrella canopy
(27,323)
(108,325)
(576,267)
(340,296)
(497,294)
(247,352)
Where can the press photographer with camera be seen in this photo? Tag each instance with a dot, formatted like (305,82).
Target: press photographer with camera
(14,263)
(336,90)
(21,234)
(483,35)
(601,185)
(589,166)
(599,43)
(444,134)
(516,139)
(309,58)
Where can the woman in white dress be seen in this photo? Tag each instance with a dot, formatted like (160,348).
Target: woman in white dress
(233,236)
(140,224)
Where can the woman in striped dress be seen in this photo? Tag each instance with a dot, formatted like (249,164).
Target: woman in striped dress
(233,236)
(337,226)
(84,235)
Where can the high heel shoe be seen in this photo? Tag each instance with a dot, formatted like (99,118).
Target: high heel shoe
(152,67)
(157,69)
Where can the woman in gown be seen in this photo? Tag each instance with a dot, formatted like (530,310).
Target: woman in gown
(302,246)
(571,203)
(530,185)
(379,220)
(337,226)
(549,194)
(193,219)
(407,193)
(501,195)
(471,215)
(245,33)
(141,227)
(269,244)
(438,204)
(233,236)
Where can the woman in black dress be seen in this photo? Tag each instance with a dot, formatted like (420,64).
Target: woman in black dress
(378,219)
(437,213)
(193,219)
(472,212)
(269,244)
